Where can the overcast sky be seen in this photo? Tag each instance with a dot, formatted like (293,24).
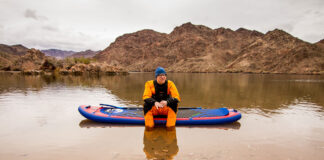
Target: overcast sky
(93,24)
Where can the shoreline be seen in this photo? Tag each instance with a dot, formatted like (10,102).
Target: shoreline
(40,72)
(63,73)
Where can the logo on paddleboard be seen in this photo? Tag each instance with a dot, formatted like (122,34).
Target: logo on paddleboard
(117,110)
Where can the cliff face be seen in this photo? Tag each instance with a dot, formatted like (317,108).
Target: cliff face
(196,48)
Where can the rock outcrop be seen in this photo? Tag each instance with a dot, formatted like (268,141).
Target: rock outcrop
(92,68)
(196,48)
(33,61)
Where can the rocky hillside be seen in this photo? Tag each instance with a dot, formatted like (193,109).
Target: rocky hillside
(196,48)
(8,54)
(279,52)
(30,61)
(14,49)
(33,61)
(20,58)
(320,44)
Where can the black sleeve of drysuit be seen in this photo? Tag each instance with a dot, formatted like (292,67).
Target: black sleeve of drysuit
(150,101)
(148,104)
(172,101)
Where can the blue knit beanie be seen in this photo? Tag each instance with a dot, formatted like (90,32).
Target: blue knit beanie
(159,71)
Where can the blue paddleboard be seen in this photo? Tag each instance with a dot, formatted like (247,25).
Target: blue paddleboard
(185,116)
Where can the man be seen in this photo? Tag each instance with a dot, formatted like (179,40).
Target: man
(161,97)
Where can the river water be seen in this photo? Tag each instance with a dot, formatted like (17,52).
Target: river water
(282,118)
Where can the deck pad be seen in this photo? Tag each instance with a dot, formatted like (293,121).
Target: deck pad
(182,113)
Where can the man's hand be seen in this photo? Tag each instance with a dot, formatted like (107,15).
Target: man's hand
(158,105)
(164,103)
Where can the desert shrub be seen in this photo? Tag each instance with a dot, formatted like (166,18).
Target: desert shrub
(73,61)
(82,60)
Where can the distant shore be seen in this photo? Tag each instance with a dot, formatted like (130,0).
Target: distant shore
(39,72)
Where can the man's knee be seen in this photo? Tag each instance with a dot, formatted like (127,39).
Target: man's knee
(147,107)
(174,106)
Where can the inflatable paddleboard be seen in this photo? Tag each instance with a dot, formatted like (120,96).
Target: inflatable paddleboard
(185,116)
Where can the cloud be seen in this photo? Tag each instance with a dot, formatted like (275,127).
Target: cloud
(32,14)
(314,36)
(95,24)
(1,30)
(288,27)
(50,28)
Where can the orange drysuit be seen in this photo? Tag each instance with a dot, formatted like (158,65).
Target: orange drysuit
(155,92)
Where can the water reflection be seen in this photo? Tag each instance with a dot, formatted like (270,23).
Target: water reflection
(160,143)
(229,126)
(44,108)
(86,123)
(265,92)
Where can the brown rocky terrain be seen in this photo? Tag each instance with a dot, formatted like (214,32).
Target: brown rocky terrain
(14,49)
(30,61)
(8,54)
(33,61)
(279,52)
(196,48)
(92,68)
(320,44)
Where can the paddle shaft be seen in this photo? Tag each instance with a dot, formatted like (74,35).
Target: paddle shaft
(112,106)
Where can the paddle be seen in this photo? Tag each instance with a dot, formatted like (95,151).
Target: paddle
(112,106)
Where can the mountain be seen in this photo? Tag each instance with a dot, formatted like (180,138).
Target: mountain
(279,52)
(320,44)
(197,48)
(8,54)
(85,54)
(20,58)
(59,54)
(14,49)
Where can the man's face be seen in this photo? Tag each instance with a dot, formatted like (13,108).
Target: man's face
(161,78)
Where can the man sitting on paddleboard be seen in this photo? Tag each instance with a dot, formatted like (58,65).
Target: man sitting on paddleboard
(161,97)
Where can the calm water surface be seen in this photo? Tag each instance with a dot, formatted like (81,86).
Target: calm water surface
(283,118)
